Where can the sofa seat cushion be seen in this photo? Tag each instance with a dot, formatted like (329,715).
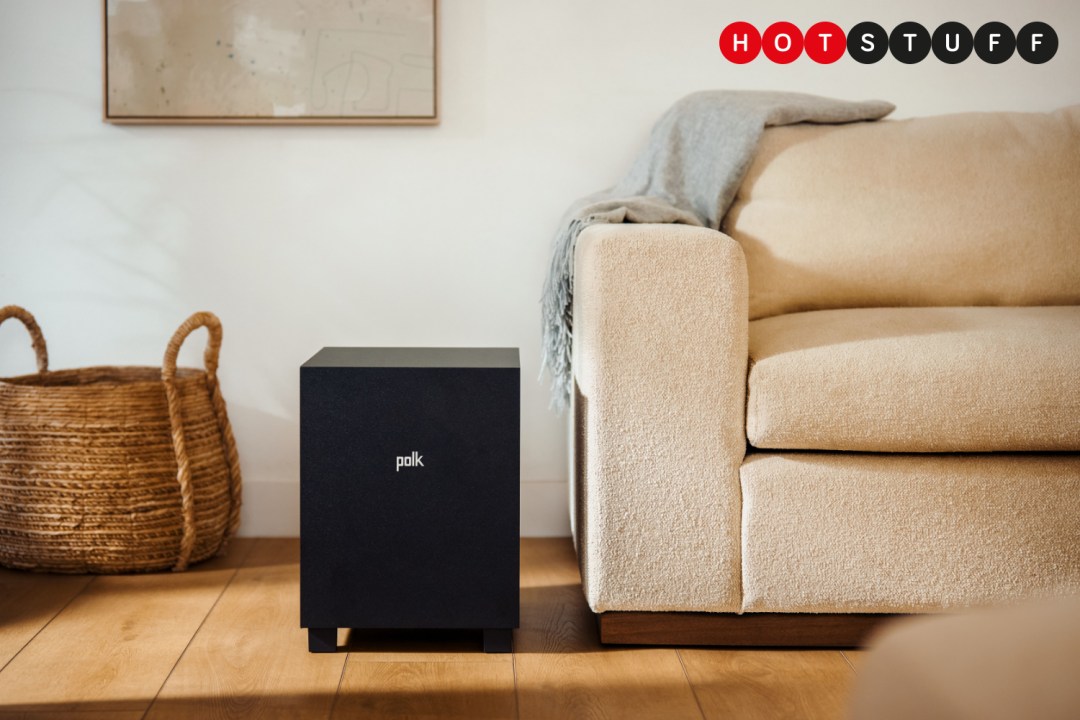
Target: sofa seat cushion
(894,533)
(967,379)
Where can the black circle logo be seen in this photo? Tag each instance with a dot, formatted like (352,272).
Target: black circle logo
(867,43)
(1036,42)
(995,42)
(909,43)
(952,43)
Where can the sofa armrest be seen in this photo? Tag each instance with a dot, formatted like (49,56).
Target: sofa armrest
(660,360)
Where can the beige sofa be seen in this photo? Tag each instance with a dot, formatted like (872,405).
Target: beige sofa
(861,397)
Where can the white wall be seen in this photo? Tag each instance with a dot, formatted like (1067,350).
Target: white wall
(305,237)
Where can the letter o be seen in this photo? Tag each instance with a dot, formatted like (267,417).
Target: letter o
(792,45)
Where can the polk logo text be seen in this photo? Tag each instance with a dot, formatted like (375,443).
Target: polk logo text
(414,460)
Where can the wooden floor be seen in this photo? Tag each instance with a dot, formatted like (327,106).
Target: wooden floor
(222,640)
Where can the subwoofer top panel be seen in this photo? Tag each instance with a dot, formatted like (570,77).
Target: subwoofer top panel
(415,357)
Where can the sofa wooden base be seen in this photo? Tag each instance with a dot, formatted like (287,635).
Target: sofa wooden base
(751,629)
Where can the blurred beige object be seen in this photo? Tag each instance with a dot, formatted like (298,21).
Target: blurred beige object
(1016,662)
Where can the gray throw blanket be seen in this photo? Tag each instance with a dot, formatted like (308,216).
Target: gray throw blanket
(689,173)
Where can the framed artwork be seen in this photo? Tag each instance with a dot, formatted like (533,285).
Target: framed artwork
(271,61)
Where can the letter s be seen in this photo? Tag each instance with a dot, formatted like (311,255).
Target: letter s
(867,42)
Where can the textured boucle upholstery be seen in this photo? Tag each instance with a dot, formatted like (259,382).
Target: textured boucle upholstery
(916,380)
(969,209)
(847,532)
(660,353)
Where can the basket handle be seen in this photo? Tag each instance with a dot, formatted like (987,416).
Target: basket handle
(183,464)
(207,320)
(37,340)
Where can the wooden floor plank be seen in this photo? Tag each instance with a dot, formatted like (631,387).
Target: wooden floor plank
(28,601)
(613,684)
(453,690)
(563,671)
(751,684)
(250,657)
(115,643)
(548,561)
(855,658)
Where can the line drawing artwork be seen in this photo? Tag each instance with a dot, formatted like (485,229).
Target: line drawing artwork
(271,61)
(348,78)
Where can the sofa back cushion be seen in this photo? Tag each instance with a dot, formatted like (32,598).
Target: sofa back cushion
(968,209)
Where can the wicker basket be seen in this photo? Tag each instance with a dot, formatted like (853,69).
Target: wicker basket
(116,469)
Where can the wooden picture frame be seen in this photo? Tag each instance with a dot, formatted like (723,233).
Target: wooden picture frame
(272,62)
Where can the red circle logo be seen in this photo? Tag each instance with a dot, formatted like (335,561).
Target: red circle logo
(825,42)
(782,42)
(740,42)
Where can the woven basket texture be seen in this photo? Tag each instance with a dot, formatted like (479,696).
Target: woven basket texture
(116,469)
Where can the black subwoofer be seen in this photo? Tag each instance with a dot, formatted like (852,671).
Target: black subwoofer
(409,491)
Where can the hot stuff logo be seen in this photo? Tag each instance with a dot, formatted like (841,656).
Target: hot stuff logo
(908,42)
